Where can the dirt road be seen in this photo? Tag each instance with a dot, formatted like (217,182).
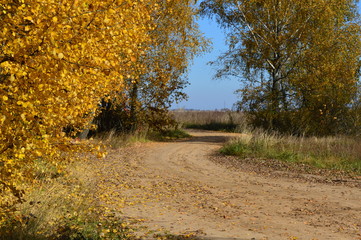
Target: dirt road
(176,188)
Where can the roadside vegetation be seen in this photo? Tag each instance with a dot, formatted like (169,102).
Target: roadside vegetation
(337,152)
(331,152)
(65,205)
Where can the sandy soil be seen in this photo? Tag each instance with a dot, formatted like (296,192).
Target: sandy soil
(183,189)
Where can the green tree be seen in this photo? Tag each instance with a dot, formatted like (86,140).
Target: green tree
(293,57)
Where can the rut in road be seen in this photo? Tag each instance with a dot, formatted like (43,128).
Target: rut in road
(174,187)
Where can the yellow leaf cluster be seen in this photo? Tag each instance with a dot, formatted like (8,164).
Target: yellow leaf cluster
(58,59)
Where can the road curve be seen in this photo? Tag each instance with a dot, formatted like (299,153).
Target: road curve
(174,187)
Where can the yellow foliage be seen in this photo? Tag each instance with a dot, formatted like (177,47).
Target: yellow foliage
(58,59)
(176,40)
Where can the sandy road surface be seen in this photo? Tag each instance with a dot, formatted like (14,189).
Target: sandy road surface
(175,188)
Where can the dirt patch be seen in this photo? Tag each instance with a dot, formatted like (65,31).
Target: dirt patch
(183,190)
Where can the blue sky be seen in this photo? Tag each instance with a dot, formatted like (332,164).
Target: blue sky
(204,92)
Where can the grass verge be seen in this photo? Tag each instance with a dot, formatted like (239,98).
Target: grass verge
(338,153)
(65,207)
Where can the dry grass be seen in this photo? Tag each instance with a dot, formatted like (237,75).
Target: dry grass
(211,120)
(65,207)
(340,153)
(117,140)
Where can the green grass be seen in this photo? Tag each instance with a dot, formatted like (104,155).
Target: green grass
(339,153)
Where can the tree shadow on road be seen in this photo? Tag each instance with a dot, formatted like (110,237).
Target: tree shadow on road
(210,139)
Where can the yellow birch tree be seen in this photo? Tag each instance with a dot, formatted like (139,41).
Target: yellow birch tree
(58,59)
